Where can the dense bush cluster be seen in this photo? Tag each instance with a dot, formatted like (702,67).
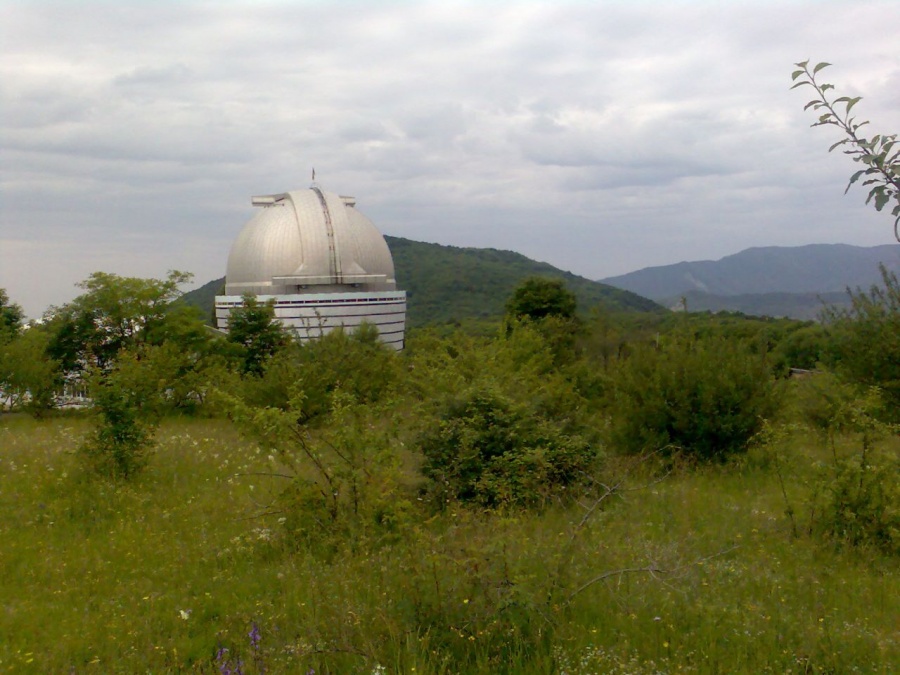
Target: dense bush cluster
(704,398)
(489,450)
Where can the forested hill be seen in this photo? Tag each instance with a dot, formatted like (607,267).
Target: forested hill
(448,283)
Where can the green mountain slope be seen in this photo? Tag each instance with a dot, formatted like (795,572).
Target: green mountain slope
(447,283)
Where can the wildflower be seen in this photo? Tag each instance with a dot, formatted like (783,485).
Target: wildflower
(254,636)
(185,614)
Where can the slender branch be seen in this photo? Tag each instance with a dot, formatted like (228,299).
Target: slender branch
(653,570)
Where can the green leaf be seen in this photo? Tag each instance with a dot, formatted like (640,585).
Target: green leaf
(820,66)
(800,84)
(802,64)
(838,144)
(853,179)
(853,101)
(796,74)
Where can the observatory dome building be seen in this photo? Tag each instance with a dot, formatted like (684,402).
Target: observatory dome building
(323,263)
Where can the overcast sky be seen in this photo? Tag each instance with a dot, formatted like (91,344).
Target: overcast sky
(601,137)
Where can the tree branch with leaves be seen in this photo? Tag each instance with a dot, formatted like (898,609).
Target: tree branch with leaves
(880,154)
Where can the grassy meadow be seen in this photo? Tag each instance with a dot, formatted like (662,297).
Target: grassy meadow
(186,569)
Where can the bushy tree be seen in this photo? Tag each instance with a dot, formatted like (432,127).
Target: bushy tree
(29,378)
(254,327)
(707,398)
(540,297)
(11,317)
(113,313)
(879,154)
(488,450)
(119,444)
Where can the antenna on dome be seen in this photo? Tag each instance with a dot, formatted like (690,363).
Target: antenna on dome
(314,176)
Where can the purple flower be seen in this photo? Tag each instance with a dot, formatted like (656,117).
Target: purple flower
(254,636)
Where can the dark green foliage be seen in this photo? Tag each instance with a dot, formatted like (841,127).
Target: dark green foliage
(28,377)
(253,326)
(805,347)
(119,445)
(11,316)
(204,299)
(490,451)
(447,283)
(707,398)
(866,340)
(356,364)
(539,298)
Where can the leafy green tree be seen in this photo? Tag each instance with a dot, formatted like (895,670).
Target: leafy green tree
(11,316)
(113,314)
(879,154)
(539,297)
(254,327)
(30,379)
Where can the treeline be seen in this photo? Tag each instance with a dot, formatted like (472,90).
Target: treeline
(631,382)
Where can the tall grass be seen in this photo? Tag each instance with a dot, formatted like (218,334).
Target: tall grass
(166,572)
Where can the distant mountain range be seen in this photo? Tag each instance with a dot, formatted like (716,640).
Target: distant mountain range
(447,283)
(772,281)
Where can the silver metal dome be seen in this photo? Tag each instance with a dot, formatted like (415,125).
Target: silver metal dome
(308,241)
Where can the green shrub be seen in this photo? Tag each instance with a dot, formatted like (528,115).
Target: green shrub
(706,397)
(860,504)
(357,364)
(489,450)
(867,340)
(119,445)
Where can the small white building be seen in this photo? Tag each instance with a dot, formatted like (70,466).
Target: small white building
(323,262)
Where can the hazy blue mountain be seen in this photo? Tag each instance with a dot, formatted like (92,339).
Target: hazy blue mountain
(773,281)
(817,268)
(448,283)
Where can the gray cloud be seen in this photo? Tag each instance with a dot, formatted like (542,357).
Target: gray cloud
(601,137)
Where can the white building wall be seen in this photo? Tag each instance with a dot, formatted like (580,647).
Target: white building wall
(312,315)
